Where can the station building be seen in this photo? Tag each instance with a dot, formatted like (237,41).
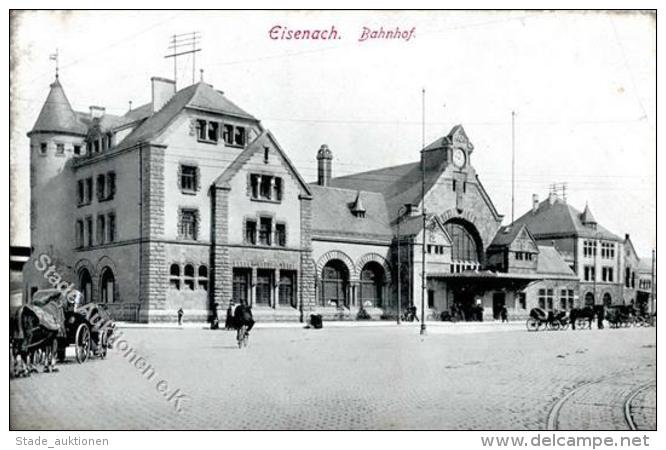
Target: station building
(188,201)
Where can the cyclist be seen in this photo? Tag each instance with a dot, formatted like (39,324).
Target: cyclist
(243,316)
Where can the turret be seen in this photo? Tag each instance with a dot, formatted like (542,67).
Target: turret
(54,139)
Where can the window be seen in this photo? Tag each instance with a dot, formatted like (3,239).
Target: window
(589,273)
(266,153)
(549,299)
(188,278)
(522,300)
(431,298)
(589,248)
(189,178)
(627,277)
(633,279)
(607,274)
(265,225)
(79,233)
(281,234)
(207,131)
(286,292)
(251,232)
(608,250)
(110,185)
(109,140)
(43,148)
(174,276)
(189,219)
(239,136)
(101,188)
(89,231)
(264,286)
(265,187)
(241,284)
(88,148)
(519,256)
(60,149)
(111,226)
(80,192)
(101,229)
(77,150)
(96,146)
(89,190)
(464,244)
(453,185)
(227,134)
(566,299)
(277,189)
(545,299)
(203,278)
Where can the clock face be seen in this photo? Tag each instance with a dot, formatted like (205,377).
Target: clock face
(459,158)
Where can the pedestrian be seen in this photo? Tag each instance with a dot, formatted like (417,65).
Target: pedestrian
(229,321)
(180,315)
(504,314)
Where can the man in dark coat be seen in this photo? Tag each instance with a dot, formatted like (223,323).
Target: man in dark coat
(243,316)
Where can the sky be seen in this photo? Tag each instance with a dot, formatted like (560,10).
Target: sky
(583,86)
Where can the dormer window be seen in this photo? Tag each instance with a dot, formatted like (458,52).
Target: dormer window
(43,148)
(234,136)
(208,131)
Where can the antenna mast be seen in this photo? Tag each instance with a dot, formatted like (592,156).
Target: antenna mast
(191,42)
(513,163)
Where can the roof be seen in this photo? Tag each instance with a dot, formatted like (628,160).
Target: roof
(645,265)
(332,215)
(561,219)
(57,115)
(507,234)
(587,216)
(550,262)
(401,184)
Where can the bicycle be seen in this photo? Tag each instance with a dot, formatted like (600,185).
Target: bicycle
(242,336)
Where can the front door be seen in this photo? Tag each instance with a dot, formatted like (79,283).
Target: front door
(499,300)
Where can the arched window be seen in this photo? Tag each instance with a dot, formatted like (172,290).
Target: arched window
(589,299)
(608,300)
(203,277)
(85,285)
(188,279)
(108,286)
(334,284)
(174,276)
(371,284)
(464,245)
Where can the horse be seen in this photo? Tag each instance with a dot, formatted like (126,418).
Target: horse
(37,328)
(588,313)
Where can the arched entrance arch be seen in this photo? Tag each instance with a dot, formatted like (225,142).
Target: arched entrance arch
(371,284)
(589,299)
(607,299)
(85,285)
(334,290)
(466,243)
(107,286)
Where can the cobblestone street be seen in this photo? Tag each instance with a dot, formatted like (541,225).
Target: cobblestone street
(382,377)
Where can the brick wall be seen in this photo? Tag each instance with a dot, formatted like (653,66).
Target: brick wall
(307,274)
(221,288)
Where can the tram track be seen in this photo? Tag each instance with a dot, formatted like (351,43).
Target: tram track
(553,419)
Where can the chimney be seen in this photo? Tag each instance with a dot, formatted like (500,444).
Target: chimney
(162,91)
(552,197)
(324,165)
(97,112)
(626,236)
(535,203)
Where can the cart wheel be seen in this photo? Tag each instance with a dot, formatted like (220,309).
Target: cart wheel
(532,324)
(82,343)
(554,326)
(565,326)
(581,324)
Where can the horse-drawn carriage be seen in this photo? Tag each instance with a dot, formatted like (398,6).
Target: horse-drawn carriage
(625,316)
(551,320)
(51,322)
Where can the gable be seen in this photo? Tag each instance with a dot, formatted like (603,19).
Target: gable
(524,242)
(264,141)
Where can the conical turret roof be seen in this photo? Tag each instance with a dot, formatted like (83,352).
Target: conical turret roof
(587,216)
(57,115)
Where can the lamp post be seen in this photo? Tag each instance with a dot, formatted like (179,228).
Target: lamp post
(401,211)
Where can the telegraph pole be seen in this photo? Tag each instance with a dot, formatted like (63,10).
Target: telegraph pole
(513,163)
(190,41)
(652,287)
(423,213)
